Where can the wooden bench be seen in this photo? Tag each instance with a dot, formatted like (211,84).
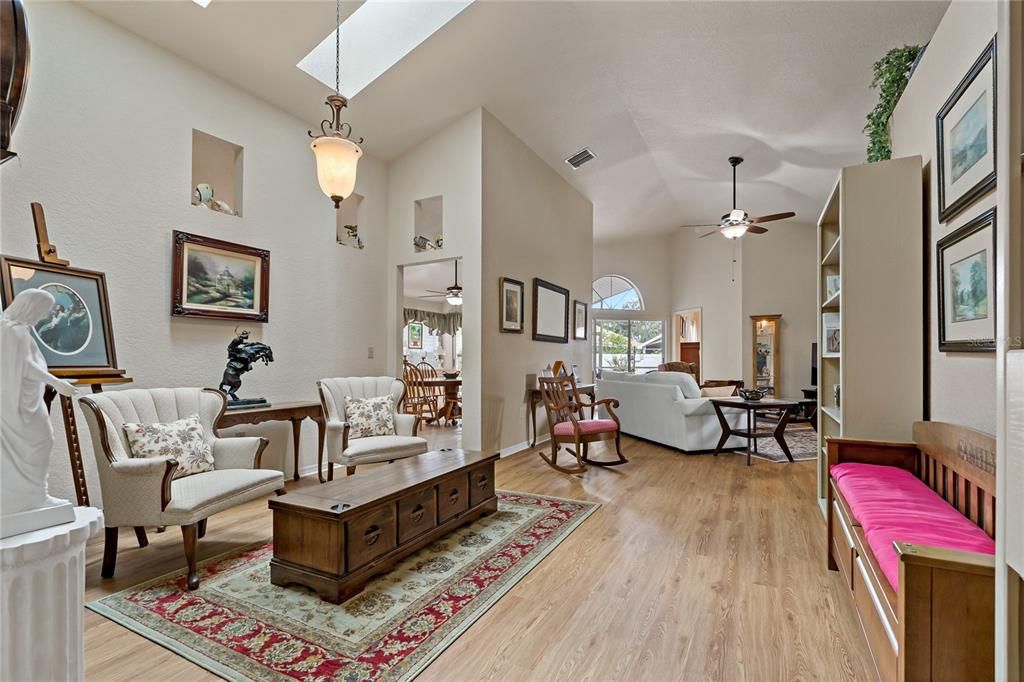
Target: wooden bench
(941,623)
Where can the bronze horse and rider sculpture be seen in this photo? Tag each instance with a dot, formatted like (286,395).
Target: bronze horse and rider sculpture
(242,353)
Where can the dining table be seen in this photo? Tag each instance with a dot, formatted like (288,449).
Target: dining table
(451,391)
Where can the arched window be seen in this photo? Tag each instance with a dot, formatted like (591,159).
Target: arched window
(614,292)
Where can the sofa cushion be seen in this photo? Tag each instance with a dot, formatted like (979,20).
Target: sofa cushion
(587,426)
(686,383)
(383,448)
(184,440)
(196,497)
(891,504)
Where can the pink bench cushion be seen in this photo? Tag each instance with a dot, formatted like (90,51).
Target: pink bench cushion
(587,426)
(891,504)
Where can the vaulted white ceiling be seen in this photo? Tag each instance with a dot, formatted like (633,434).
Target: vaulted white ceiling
(662,92)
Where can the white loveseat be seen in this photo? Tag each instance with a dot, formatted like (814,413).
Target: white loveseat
(667,408)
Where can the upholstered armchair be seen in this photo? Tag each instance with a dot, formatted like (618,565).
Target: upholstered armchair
(351,452)
(142,492)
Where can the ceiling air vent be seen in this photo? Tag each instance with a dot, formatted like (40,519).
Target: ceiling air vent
(581,157)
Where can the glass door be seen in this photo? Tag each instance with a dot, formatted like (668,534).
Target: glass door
(633,346)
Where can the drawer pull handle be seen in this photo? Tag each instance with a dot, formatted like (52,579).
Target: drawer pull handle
(481,481)
(417,513)
(372,535)
(453,496)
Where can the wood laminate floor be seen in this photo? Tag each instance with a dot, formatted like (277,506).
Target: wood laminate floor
(694,568)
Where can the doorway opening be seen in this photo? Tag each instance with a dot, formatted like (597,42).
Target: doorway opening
(687,333)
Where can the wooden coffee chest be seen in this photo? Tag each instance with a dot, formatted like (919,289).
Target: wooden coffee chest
(334,537)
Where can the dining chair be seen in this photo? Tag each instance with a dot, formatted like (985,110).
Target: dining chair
(568,424)
(419,398)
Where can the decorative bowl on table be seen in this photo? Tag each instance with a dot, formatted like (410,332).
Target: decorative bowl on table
(752,394)
(451,375)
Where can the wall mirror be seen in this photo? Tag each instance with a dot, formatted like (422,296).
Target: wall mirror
(766,353)
(550,312)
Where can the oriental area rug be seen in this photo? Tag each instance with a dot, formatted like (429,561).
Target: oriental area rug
(240,627)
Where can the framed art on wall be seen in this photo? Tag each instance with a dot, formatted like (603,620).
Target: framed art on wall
(415,336)
(76,336)
(550,312)
(967,295)
(511,305)
(965,129)
(220,280)
(579,319)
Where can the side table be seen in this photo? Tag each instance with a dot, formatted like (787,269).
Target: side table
(283,412)
(752,407)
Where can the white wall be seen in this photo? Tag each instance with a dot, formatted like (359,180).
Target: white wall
(702,277)
(962,384)
(105,143)
(647,263)
(447,164)
(779,273)
(535,225)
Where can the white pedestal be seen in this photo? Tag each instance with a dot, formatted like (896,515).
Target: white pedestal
(42,600)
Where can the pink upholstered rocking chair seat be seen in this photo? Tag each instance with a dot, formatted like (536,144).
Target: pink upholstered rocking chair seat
(587,426)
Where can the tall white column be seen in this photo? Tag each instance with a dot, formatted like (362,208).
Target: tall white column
(42,574)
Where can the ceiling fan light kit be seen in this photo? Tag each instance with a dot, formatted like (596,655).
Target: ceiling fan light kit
(453,294)
(738,222)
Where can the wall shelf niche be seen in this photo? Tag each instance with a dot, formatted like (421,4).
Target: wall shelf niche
(349,222)
(428,224)
(216,163)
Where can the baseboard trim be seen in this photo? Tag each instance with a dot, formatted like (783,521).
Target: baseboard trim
(516,448)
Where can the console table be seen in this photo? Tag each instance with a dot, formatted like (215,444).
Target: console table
(282,412)
(536,398)
(333,538)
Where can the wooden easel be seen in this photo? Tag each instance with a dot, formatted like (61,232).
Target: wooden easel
(48,254)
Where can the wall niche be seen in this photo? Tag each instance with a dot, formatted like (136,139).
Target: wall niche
(216,174)
(349,218)
(428,224)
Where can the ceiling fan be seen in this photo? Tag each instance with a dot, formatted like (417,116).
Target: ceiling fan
(736,222)
(452,294)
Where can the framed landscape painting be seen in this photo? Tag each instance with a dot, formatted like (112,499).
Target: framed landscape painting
(967,291)
(415,336)
(217,279)
(75,338)
(965,128)
(511,305)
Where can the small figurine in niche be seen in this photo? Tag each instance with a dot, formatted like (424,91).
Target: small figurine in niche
(351,237)
(439,241)
(26,436)
(242,353)
(423,244)
(202,195)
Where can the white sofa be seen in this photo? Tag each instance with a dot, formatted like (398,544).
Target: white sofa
(667,408)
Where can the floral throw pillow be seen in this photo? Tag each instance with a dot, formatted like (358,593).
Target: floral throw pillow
(184,440)
(370,416)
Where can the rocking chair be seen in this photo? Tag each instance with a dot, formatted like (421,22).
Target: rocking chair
(567,424)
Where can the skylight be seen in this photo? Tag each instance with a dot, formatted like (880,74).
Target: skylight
(375,37)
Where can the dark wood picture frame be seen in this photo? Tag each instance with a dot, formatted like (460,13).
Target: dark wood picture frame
(180,308)
(576,326)
(986,219)
(502,320)
(986,183)
(539,284)
(71,370)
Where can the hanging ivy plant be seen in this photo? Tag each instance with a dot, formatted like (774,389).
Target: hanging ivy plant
(892,72)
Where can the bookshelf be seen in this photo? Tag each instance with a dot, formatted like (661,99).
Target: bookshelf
(870,326)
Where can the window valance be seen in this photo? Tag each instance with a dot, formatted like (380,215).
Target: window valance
(444,323)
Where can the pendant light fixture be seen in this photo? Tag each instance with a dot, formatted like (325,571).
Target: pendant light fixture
(336,154)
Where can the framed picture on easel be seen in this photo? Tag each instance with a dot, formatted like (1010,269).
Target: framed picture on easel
(76,337)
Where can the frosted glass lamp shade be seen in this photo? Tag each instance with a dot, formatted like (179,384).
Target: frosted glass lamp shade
(336,161)
(454,299)
(734,231)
